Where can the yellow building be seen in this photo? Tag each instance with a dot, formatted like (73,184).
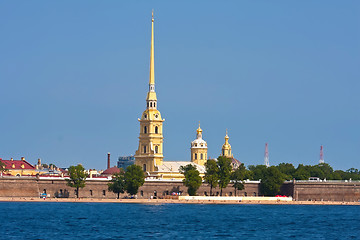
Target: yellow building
(226,147)
(150,151)
(149,155)
(199,149)
(18,168)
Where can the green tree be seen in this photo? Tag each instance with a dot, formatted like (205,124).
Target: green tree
(271,182)
(225,168)
(238,177)
(2,167)
(77,178)
(302,173)
(192,178)
(211,174)
(117,183)
(257,172)
(134,178)
(288,169)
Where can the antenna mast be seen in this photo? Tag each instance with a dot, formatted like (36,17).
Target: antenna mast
(321,155)
(266,157)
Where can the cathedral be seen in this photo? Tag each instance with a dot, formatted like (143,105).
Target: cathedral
(149,155)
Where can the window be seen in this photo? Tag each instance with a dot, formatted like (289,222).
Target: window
(145,116)
(223,152)
(144,149)
(245,193)
(44,191)
(156,129)
(90,192)
(142,193)
(151,104)
(104,192)
(147,104)
(145,129)
(154,104)
(201,156)
(144,167)
(195,156)
(156,149)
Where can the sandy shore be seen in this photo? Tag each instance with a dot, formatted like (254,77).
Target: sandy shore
(169,201)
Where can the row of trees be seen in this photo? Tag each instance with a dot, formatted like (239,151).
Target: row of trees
(128,180)
(220,173)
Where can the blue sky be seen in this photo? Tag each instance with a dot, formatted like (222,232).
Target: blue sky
(74,78)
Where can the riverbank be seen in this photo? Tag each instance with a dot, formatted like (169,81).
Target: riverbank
(171,201)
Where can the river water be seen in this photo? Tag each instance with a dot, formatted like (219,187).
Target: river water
(176,221)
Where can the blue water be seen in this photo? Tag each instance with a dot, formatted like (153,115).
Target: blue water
(176,221)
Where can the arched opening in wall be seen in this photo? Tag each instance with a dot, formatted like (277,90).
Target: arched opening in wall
(245,194)
(254,194)
(144,167)
(145,129)
(104,192)
(147,104)
(91,193)
(205,193)
(142,193)
(156,149)
(155,194)
(44,191)
(217,194)
(223,152)
(144,149)
(230,194)
(154,105)
(151,104)
(195,157)
(201,156)
(156,129)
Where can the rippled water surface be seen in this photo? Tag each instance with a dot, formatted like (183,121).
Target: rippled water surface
(176,221)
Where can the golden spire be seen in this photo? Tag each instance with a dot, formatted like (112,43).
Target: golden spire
(226,137)
(199,130)
(151,96)
(152,71)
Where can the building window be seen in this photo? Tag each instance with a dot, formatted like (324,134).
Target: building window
(144,149)
(245,193)
(201,156)
(142,193)
(156,149)
(90,192)
(144,167)
(151,104)
(104,192)
(156,129)
(145,129)
(195,156)
(147,104)
(154,104)
(223,152)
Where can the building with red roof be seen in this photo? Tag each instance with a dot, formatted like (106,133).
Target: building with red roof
(19,167)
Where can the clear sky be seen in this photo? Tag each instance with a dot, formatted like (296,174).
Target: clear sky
(74,77)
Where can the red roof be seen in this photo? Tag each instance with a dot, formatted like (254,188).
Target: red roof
(17,163)
(111,171)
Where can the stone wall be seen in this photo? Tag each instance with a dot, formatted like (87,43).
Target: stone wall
(32,187)
(326,191)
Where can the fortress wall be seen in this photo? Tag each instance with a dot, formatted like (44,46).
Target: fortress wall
(327,191)
(32,187)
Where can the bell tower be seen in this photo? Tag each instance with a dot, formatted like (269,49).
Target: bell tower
(199,148)
(150,151)
(226,147)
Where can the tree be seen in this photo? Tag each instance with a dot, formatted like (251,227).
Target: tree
(288,169)
(78,177)
(2,167)
(134,178)
(271,182)
(192,178)
(225,168)
(211,174)
(117,183)
(257,172)
(238,177)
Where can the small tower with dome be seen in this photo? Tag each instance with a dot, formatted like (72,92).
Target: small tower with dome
(226,147)
(199,149)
